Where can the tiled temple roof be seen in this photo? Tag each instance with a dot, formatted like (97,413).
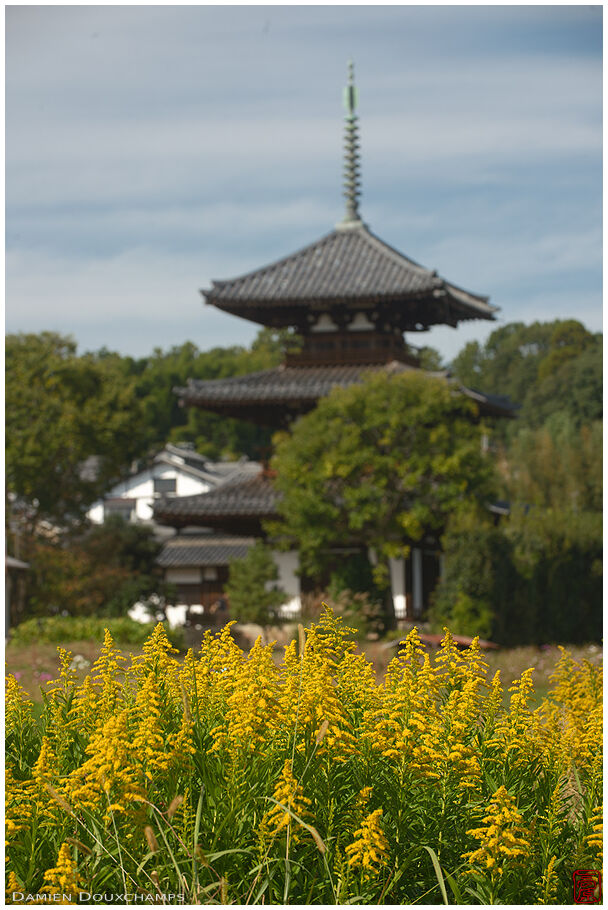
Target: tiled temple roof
(277,385)
(202,550)
(236,503)
(299,388)
(342,267)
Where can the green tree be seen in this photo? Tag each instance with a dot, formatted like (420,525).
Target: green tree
(430,359)
(252,589)
(537,576)
(574,387)
(102,571)
(558,466)
(476,591)
(62,409)
(384,462)
(558,557)
(544,367)
(212,434)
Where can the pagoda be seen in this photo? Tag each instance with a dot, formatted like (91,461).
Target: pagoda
(350,297)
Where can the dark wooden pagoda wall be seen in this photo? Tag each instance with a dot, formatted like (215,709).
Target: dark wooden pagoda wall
(343,348)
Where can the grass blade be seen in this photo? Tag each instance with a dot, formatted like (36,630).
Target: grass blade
(454,888)
(438,873)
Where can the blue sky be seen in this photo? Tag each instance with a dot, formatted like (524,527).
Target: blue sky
(151,149)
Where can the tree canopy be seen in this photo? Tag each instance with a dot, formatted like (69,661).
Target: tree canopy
(61,411)
(384,462)
(252,589)
(544,367)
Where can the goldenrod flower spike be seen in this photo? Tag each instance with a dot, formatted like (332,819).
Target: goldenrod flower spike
(503,839)
(369,850)
(63,878)
(288,792)
(253,713)
(595,840)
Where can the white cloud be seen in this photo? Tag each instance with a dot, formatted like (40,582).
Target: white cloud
(149,149)
(131,303)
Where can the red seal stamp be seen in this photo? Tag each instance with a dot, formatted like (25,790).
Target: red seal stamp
(587,886)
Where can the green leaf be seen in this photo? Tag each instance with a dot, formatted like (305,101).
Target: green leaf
(438,872)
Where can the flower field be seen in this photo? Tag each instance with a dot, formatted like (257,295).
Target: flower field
(231,778)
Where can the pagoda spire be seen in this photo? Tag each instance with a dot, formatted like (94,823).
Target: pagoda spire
(352,182)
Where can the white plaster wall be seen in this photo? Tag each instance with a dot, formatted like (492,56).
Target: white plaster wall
(288,565)
(190,486)
(397,571)
(143,491)
(176,615)
(95,513)
(183,576)
(133,487)
(141,488)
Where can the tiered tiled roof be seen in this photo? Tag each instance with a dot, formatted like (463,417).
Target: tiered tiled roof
(202,550)
(348,267)
(275,396)
(237,506)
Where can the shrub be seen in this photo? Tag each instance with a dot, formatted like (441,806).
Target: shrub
(101,572)
(231,778)
(476,592)
(536,578)
(252,589)
(59,629)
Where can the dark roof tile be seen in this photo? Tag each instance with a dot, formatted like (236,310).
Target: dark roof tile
(290,385)
(253,496)
(343,265)
(203,550)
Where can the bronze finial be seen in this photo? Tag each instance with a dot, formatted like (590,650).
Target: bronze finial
(352,183)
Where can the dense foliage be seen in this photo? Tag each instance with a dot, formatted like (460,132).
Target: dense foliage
(76,422)
(62,409)
(59,629)
(229,778)
(386,461)
(529,580)
(252,586)
(546,367)
(537,577)
(100,571)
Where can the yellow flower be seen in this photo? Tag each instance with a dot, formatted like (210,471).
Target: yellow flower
(503,840)
(549,883)
(595,840)
(288,792)
(18,717)
(148,742)
(253,713)
(43,768)
(156,658)
(85,706)
(572,715)
(12,885)
(208,680)
(369,850)
(104,677)
(63,878)
(110,780)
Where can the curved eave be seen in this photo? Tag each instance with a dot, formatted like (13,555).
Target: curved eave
(245,522)
(445,305)
(491,405)
(353,268)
